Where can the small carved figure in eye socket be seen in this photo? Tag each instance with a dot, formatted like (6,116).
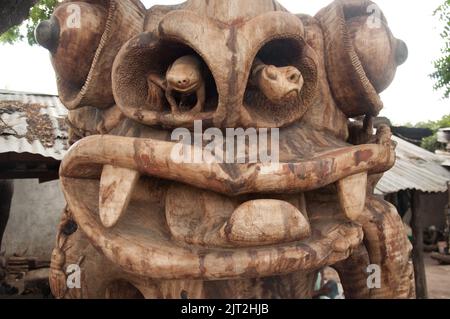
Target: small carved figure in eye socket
(184,85)
(278,84)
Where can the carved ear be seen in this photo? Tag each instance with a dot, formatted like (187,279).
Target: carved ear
(401,52)
(111,24)
(257,67)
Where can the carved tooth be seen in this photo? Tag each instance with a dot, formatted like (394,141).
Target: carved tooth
(352,195)
(116,187)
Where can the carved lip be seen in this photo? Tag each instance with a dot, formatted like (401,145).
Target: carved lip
(189,89)
(157,255)
(153,158)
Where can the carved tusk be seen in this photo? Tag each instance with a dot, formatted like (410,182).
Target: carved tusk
(352,195)
(116,187)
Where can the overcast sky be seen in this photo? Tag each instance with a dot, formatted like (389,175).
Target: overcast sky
(409,99)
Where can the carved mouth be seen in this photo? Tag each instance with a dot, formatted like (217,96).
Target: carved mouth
(293,95)
(129,190)
(185,100)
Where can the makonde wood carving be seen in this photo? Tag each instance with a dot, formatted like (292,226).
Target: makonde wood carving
(154,227)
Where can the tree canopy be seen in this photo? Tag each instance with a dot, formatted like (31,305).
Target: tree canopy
(442,65)
(21,18)
(431,143)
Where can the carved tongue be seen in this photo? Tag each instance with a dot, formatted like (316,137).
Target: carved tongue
(116,187)
(352,195)
(265,222)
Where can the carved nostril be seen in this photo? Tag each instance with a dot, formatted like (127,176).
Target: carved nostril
(183,82)
(47,34)
(294,76)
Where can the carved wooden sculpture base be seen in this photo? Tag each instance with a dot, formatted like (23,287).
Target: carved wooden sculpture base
(383,229)
(151,226)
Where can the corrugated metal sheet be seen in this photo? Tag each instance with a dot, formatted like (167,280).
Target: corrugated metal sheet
(32,123)
(415,168)
(444,157)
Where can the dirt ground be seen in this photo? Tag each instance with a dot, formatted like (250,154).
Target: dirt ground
(438,279)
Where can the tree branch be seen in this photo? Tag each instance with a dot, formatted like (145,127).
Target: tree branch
(14,12)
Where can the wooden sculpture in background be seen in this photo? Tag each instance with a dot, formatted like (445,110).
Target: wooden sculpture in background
(152,227)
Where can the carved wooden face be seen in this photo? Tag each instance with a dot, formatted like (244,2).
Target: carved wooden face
(227,55)
(280,85)
(230,64)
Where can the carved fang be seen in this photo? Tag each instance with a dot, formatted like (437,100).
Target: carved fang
(352,195)
(116,187)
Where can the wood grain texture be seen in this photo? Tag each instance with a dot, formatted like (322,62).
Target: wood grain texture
(116,187)
(151,226)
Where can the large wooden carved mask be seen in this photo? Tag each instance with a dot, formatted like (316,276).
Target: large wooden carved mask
(131,76)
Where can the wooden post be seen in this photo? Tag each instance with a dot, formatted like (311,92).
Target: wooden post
(447,217)
(6,194)
(419,266)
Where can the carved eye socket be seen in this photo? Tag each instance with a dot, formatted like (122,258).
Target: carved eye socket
(284,62)
(141,82)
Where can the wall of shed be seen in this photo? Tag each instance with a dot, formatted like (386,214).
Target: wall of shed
(432,208)
(35,213)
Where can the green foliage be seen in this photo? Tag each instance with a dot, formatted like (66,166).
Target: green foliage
(435,125)
(431,143)
(442,65)
(41,11)
(11,36)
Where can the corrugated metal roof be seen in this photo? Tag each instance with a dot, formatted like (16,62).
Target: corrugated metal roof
(444,157)
(32,123)
(415,168)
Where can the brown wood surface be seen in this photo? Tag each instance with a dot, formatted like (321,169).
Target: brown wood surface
(153,227)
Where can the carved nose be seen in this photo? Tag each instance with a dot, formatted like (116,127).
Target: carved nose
(47,34)
(293,75)
(183,82)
